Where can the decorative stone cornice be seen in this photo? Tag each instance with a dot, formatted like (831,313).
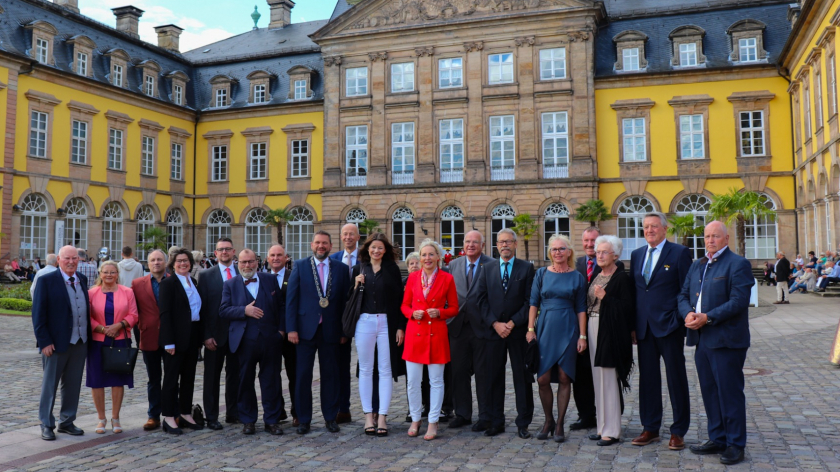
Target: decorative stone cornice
(374,56)
(524,41)
(179,132)
(257,131)
(752,97)
(633,103)
(112,115)
(330,61)
(690,100)
(579,36)
(427,51)
(83,108)
(474,46)
(41,97)
(150,125)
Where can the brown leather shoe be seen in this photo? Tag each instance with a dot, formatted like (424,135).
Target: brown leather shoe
(152,424)
(676,443)
(295,422)
(645,438)
(343,418)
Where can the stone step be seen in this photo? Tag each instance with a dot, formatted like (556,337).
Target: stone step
(827,294)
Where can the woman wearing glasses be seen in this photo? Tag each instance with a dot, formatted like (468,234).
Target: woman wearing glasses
(559,294)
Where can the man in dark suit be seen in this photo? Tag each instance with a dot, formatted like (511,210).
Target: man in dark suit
(659,269)
(315,299)
(217,352)
(462,335)
(583,387)
(715,304)
(61,319)
(348,256)
(277,260)
(782,271)
(256,334)
(501,321)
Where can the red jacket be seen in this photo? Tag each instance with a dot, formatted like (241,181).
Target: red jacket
(427,340)
(125,308)
(149,314)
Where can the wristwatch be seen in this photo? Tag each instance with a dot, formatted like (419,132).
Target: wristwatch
(583,337)
(531,330)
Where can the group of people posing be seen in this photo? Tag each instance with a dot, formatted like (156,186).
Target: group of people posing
(573,323)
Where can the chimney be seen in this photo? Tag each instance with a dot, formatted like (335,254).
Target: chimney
(168,37)
(128,20)
(72,5)
(281,13)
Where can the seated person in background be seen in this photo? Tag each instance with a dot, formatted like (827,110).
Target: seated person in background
(10,274)
(832,275)
(795,272)
(768,274)
(806,281)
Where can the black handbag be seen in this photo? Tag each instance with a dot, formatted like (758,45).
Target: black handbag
(532,357)
(352,311)
(119,360)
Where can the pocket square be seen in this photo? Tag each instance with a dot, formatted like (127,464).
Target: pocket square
(272,293)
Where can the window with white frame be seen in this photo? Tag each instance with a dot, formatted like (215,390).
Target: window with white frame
(299,232)
(688,54)
(259,93)
(219,163)
(112,227)
(218,226)
(500,68)
(402,77)
(752,133)
(145,220)
(403,231)
(452,229)
(356,153)
(149,86)
(38,134)
(697,205)
(300,90)
(631,214)
(147,156)
(761,234)
(115,149)
(692,137)
(451,72)
(176,162)
(174,229)
(42,50)
(79,144)
(555,144)
(117,75)
(81,63)
(402,153)
(630,56)
(300,158)
(75,223)
(552,64)
(221,97)
(33,227)
(259,160)
(178,95)
(806,104)
(356,82)
(635,139)
(452,150)
(502,144)
(832,84)
(257,233)
(501,218)
(818,106)
(556,222)
(357,216)
(748,49)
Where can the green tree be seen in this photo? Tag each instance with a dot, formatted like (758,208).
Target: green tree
(278,218)
(525,228)
(154,238)
(368,227)
(683,227)
(592,211)
(737,207)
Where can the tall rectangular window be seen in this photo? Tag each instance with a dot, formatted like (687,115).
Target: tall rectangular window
(806,103)
(356,81)
(692,137)
(42,48)
(555,144)
(259,93)
(38,134)
(748,49)
(502,147)
(552,64)
(81,63)
(147,156)
(752,133)
(356,154)
(176,162)
(115,149)
(78,147)
(451,72)
(300,158)
(219,163)
(688,54)
(635,141)
(832,84)
(500,68)
(300,90)
(150,86)
(117,75)
(630,59)
(818,104)
(402,77)
(259,160)
(178,95)
(221,97)
(452,150)
(402,153)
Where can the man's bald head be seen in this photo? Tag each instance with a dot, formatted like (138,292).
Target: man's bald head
(68,259)
(350,237)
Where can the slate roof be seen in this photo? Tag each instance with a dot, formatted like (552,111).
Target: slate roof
(259,43)
(717,43)
(625,8)
(341,6)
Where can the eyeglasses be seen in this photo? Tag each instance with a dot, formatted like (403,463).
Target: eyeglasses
(241,262)
(182,261)
(224,249)
(558,249)
(603,253)
(506,242)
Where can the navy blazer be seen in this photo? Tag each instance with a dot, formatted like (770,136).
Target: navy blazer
(302,309)
(496,304)
(210,285)
(52,316)
(235,297)
(656,302)
(726,301)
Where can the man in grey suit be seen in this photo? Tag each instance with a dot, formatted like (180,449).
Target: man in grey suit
(462,334)
(61,319)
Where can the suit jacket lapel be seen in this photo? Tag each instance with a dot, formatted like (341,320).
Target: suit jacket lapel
(459,270)
(661,261)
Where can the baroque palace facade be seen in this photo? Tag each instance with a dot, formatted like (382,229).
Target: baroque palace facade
(432,117)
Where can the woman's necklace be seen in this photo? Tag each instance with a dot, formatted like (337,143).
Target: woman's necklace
(555,269)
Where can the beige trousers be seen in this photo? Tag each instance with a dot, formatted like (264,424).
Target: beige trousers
(605,380)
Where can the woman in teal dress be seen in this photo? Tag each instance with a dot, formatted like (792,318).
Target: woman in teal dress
(559,293)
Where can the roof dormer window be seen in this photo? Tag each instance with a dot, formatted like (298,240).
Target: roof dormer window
(221,86)
(119,64)
(300,83)
(688,47)
(178,84)
(260,83)
(630,51)
(747,38)
(43,40)
(82,53)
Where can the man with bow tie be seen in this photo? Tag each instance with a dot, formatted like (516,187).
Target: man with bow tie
(256,334)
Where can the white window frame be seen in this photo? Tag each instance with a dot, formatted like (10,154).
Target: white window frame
(259,93)
(697,205)
(258,161)
(39,123)
(818,105)
(112,227)
(451,72)
(502,143)
(688,54)
(356,152)
(81,63)
(833,83)
(356,81)
(403,231)
(257,233)
(174,229)
(218,226)
(221,98)
(763,230)
(555,144)
(176,161)
(79,142)
(149,88)
(452,229)
(299,232)
(145,220)
(692,135)
(630,59)
(748,50)
(219,163)
(500,218)
(451,145)
(552,64)
(117,75)
(500,68)
(34,227)
(300,89)
(631,215)
(147,155)
(178,95)
(635,142)
(403,153)
(42,50)
(116,144)
(752,136)
(556,221)
(806,97)
(300,157)
(75,222)
(402,77)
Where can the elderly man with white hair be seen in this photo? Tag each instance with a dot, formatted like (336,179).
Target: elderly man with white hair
(52,266)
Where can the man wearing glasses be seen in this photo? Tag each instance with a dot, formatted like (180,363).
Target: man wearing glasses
(217,351)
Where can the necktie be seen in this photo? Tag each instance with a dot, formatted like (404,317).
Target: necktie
(72,283)
(348,260)
(247,282)
(470,275)
(648,265)
(321,277)
(506,277)
(590,267)
(229,276)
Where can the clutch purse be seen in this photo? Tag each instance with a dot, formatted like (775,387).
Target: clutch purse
(119,360)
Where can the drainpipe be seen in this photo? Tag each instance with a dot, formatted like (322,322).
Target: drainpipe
(792,157)
(195,176)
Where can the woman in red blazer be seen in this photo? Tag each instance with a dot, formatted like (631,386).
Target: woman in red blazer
(430,298)
(113,312)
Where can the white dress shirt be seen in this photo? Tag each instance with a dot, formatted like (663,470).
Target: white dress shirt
(223,269)
(700,297)
(655,256)
(280,276)
(252,287)
(195,301)
(352,256)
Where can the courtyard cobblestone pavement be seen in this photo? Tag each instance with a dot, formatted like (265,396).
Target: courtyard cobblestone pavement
(792,391)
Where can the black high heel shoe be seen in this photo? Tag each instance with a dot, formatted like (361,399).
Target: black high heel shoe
(545,433)
(170,429)
(559,434)
(186,424)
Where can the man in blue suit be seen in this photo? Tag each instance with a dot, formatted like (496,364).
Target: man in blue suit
(715,303)
(315,299)
(349,256)
(659,269)
(256,336)
(61,319)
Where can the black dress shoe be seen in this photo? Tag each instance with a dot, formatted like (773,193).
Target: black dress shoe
(170,429)
(231,420)
(214,425)
(248,428)
(274,429)
(47,434)
(332,426)
(523,433)
(494,431)
(283,415)
(186,424)
(732,455)
(303,428)
(479,426)
(445,416)
(70,429)
(582,423)
(607,442)
(343,418)
(459,421)
(707,447)
(595,437)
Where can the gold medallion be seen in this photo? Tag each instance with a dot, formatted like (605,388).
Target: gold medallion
(324,302)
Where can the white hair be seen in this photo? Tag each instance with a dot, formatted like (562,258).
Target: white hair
(655,214)
(507,231)
(613,241)
(434,244)
(413,255)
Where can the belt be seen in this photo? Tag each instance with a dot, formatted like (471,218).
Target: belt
(593,315)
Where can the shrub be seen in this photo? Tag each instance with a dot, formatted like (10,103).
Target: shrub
(19,291)
(15,304)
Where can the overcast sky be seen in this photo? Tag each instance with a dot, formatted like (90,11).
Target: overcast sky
(204,21)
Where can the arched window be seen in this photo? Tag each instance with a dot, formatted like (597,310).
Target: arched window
(112,229)
(75,223)
(218,226)
(761,240)
(174,229)
(502,217)
(403,231)
(556,222)
(33,227)
(697,205)
(452,229)
(299,232)
(257,233)
(827,207)
(631,212)
(145,220)
(356,216)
